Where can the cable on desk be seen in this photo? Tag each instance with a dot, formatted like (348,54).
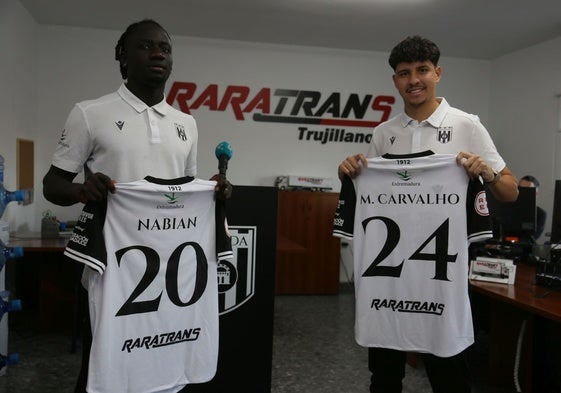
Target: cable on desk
(517,358)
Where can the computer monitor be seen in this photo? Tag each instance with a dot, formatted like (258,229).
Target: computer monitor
(556,218)
(514,222)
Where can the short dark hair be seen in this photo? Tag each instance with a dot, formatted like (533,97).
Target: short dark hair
(412,49)
(120,47)
(531,179)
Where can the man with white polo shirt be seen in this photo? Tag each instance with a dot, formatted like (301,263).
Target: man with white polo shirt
(129,134)
(428,123)
(126,135)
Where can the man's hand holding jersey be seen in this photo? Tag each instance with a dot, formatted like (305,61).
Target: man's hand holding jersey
(351,166)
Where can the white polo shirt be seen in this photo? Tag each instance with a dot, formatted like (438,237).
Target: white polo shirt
(447,131)
(121,136)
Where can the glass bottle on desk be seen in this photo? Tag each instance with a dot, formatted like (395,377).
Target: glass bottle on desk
(7,253)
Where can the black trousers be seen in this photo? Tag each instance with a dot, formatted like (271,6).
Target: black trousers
(445,375)
(86,331)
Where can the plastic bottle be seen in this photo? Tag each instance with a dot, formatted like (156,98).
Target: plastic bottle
(8,305)
(9,196)
(9,253)
(9,360)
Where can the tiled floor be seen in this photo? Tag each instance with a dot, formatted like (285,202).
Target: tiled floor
(314,348)
(313,352)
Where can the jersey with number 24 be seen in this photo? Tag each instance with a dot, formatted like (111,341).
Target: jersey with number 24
(411,218)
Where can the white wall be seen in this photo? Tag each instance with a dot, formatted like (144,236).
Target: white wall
(17,109)
(76,64)
(49,68)
(52,67)
(526,115)
(18,102)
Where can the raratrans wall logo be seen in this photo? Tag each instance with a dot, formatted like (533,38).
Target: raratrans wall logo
(236,277)
(312,110)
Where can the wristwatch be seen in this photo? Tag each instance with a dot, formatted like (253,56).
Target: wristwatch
(496,178)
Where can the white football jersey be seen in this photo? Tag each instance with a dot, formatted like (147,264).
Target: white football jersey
(151,254)
(407,217)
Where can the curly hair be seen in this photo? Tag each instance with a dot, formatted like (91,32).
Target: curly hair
(120,47)
(412,49)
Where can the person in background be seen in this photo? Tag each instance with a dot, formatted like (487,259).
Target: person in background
(429,123)
(125,136)
(532,182)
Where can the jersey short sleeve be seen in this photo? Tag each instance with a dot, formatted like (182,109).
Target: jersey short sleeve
(343,224)
(87,244)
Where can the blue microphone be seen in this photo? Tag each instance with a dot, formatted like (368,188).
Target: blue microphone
(223,153)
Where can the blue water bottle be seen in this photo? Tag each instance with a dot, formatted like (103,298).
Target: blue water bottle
(5,195)
(9,196)
(9,360)
(9,253)
(8,305)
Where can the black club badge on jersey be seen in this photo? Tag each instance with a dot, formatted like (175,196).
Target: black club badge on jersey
(444,134)
(180,131)
(236,277)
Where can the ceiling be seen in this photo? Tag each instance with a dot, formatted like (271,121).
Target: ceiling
(477,29)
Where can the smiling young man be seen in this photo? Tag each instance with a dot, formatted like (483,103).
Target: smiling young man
(428,123)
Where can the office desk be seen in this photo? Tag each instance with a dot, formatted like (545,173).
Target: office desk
(524,294)
(33,242)
(508,307)
(44,280)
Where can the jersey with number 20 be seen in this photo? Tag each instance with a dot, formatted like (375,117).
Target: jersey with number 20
(151,255)
(406,215)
